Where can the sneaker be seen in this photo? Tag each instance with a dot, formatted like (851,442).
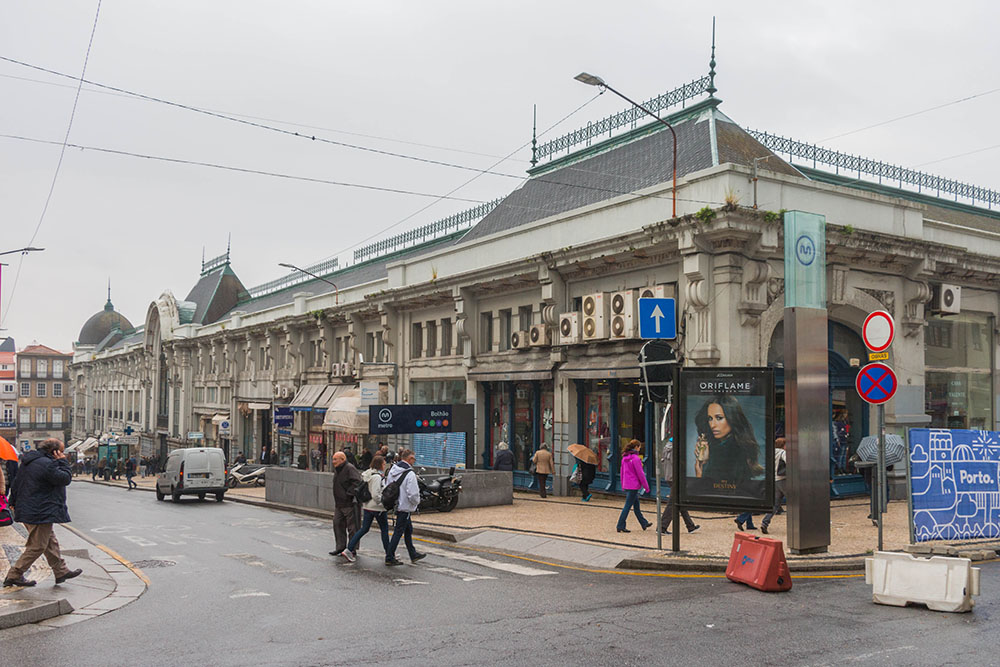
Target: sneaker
(349,555)
(69,575)
(763,528)
(417,557)
(694,528)
(587,499)
(394,561)
(20,581)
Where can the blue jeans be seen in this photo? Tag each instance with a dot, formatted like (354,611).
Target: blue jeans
(403,529)
(631,503)
(747,518)
(366,524)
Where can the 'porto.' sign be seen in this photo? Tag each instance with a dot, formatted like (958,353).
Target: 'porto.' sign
(955,483)
(386,419)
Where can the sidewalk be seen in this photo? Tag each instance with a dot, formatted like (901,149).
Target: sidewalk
(568,530)
(105,585)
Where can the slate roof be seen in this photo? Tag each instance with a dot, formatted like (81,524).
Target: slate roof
(8,345)
(635,160)
(215,293)
(101,324)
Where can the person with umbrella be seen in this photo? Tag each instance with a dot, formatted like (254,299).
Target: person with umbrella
(8,455)
(586,461)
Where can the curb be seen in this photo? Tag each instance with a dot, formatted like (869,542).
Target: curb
(33,612)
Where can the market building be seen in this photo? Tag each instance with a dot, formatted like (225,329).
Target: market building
(526,307)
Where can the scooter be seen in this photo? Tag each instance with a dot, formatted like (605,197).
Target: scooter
(246,473)
(441,493)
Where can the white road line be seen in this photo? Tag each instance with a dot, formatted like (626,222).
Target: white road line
(464,576)
(251,594)
(409,582)
(513,568)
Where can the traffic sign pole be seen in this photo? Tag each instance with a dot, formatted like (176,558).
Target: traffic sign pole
(881,471)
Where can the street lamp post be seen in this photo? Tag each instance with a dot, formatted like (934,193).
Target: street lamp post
(23,250)
(592,80)
(336,291)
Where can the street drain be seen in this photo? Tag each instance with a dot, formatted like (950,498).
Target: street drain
(144,564)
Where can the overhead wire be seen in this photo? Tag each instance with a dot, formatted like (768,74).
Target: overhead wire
(55,175)
(270,120)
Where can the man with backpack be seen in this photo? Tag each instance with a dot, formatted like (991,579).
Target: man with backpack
(346,479)
(402,493)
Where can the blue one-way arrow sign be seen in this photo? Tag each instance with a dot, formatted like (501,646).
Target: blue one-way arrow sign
(658,318)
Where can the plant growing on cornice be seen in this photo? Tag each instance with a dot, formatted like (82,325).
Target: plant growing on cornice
(705,215)
(732,200)
(848,230)
(772,217)
(317,314)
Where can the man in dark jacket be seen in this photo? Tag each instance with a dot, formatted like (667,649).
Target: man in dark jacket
(39,500)
(346,480)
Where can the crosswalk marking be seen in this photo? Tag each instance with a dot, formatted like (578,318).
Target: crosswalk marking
(513,568)
(464,576)
(408,582)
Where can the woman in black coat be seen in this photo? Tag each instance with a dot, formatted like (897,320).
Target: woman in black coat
(504,459)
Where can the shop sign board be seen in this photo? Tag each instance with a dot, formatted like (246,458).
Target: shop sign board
(876,383)
(283,416)
(726,431)
(131,440)
(386,419)
(954,483)
(195,435)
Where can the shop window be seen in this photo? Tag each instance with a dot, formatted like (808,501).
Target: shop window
(499,415)
(505,323)
(417,340)
(597,421)
(958,354)
(446,348)
(524,318)
(523,442)
(432,341)
(486,332)
(437,392)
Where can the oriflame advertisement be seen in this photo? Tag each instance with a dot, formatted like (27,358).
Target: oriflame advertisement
(726,424)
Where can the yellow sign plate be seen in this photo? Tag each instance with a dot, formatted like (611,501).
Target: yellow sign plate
(878,356)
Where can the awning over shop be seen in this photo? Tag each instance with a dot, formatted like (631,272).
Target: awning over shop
(331,394)
(259,406)
(306,397)
(345,414)
(72,448)
(86,445)
(598,368)
(219,418)
(507,371)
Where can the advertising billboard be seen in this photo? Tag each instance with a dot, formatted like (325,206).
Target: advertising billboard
(726,423)
(954,483)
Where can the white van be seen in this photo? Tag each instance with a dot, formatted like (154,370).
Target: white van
(193,471)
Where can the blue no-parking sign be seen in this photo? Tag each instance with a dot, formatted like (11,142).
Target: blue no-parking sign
(876,383)
(658,318)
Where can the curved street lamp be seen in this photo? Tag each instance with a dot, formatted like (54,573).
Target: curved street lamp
(22,250)
(336,291)
(592,80)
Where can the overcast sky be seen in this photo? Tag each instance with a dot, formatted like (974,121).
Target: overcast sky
(445,81)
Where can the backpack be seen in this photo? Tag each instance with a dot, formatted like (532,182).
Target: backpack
(362,494)
(390,492)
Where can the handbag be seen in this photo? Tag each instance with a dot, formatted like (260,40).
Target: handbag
(577,475)
(6,518)
(533,468)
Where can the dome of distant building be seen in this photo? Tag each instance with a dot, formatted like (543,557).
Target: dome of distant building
(103,323)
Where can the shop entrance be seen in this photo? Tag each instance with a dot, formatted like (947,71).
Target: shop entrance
(849,414)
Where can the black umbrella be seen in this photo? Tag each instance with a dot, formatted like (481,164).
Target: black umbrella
(895,449)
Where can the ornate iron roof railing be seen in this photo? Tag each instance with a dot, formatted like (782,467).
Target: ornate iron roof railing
(294,278)
(444,226)
(215,263)
(630,117)
(882,170)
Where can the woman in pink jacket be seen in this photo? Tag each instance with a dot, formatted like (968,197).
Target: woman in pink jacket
(633,479)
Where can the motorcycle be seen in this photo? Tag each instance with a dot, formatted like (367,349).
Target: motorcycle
(246,473)
(440,493)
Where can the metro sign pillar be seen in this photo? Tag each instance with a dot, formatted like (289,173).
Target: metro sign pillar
(807,384)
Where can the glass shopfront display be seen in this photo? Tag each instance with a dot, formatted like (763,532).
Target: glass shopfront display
(520,415)
(958,353)
(598,420)
(613,412)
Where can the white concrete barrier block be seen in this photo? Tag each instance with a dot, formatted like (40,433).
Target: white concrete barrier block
(940,582)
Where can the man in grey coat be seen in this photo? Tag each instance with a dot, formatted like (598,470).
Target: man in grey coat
(38,496)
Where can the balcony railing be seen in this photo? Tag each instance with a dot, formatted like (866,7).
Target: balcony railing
(41,426)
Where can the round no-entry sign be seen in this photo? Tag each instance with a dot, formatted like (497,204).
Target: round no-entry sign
(876,383)
(878,331)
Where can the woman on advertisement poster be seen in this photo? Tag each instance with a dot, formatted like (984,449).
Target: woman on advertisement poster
(727,421)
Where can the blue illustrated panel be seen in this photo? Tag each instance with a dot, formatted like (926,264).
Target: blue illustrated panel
(439,449)
(955,483)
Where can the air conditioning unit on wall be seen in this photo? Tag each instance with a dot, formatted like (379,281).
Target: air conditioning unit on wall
(569,328)
(653,292)
(519,340)
(623,314)
(948,299)
(595,316)
(540,335)
(277,391)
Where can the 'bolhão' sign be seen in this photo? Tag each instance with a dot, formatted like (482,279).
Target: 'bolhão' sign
(955,483)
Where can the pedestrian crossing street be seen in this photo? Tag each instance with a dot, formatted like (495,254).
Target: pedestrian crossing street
(441,562)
